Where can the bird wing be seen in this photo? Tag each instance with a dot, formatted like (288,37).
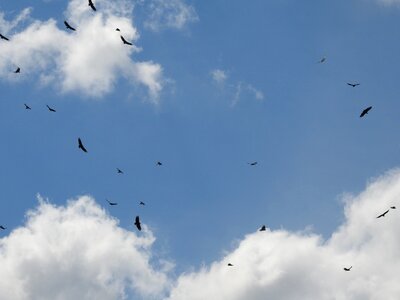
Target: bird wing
(3,37)
(92,5)
(81,145)
(125,41)
(137,223)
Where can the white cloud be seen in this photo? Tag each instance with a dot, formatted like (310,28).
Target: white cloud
(174,14)
(88,61)
(78,251)
(219,76)
(284,265)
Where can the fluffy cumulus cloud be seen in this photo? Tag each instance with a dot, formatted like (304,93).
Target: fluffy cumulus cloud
(88,61)
(219,76)
(288,265)
(77,251)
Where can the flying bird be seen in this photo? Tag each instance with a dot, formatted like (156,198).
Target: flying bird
(322,60)
(142,203)
(125,41)
(137,223)
(230,265)
(69,26)
(26,106)
(253,163)
(353,84)
(159,163)
(51,109)
(92,5)
(3,37)
(365,111)
(262,228)
(2,227)
(119,171)
(393,207)
(117,29)
(111,203)
(347,269)
(18,70)
(80,145)
(382,215)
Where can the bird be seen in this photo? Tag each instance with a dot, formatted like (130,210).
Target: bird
(18,70)
(322,60)
(353,84)
(347,269)
(142,203)
(365,111)
(262,228)
(92,5)
(26,106)
(254,163)
(137,223)
(2,227)
(125,41)
(69,26)
(111,203)
(3,37)
(51,109)
(117,29)
(80,145)
(393,207)
(230,265)
(382,215)
(159,163)
(119,171)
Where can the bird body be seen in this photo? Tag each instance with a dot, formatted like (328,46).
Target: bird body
(322,60)
(2,227)
(3,37)
(347,269)
(159,163)
(18,70)
(26,106)
(393,207)
(263,228)
(125,41)
(382,215)
(365,111)
(92,5)
(353,84)
(50,109)
(230,265)
(80,145)
(253,163)
(111,203)
(119,171)
(142,203)
(69,26)
(137,223)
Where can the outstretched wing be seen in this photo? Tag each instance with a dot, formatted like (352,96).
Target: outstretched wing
(137,223)
(81,145)
(3,37)
(92,5)
(69,26)
(125,41)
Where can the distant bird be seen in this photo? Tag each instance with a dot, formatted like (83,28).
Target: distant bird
(253,163)
(365,111)
(353,84)
(111,203)
(347,269)
(382,215)
(80,145)
(92,5)
(137,223)
(2,227)
(125,41)
(262,228)
(322,60)
(117,29)
(159,163)
(119,171)
(50,109)
(3,37)
(142,203)
(393,207)
(26,106)
(18,70)
(69,26)
(230,265)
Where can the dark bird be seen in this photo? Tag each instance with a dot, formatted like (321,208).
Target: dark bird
(322,60)
(365,111)
(125,41)
(119,171)
(111,203)
(253,163)
(117,29)
(80,145)
(18,70)
(142,203)
(230,265)
(353,84)
(159,163)
(3,37)
(69,26)
(382,215)
(2,227)
(347,269)
(262,228)
(26,106)
(51,109)
(92,5)
(393,207)
(137,223)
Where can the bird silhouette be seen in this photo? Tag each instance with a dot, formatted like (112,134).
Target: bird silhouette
(92,5)
(393,207)
(142,203)
(125,41)
(119,171)
(69,26)
(18,70)
(262,228)
(26,106)
(365,111)
(50,109)
(322,60)
(254,163)
(382,215)
(353,84)
(159,163)
(3,37)
(230,265)
(2,227)
(80,145)
(117,29)
(137,223)
(111,203)
(347,269)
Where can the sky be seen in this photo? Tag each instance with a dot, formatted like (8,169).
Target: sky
(206,88)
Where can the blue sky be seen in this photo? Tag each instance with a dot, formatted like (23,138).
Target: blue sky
(303,128)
